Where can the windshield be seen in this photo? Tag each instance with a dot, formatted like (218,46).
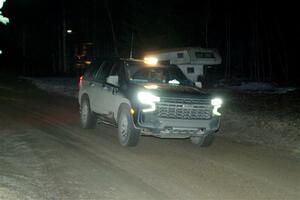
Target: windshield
(160,74)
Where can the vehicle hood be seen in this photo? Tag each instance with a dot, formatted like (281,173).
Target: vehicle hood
(171,90)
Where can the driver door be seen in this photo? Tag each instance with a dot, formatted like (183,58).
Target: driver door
(110,91)
(99,90)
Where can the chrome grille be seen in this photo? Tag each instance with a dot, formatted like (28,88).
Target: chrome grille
(184,100)
(183,108)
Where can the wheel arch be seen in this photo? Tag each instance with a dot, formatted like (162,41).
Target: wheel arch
(84,96)
(122,105)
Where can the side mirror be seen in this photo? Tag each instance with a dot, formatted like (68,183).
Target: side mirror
(115,90)
(198,84)
(113,80)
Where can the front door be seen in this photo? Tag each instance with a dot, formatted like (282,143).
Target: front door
(99,89)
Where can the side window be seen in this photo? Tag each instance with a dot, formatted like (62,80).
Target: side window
(103,71)
(114,75)
(204,54)
(115,69)
(190,70)
(91,71)
(179,55)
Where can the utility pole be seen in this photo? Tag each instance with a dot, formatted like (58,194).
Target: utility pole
(23,50)
(64,31)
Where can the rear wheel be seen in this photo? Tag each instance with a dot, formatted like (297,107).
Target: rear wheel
(203,140)
(128,135)
(87,117)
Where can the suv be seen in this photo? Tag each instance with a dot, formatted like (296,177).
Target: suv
(144,98)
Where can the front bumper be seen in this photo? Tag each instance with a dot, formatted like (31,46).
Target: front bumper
(151,124)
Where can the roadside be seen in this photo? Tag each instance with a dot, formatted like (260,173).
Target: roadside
(46,155)
(270,118)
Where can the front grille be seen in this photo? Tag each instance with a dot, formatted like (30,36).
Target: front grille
(184,101)
(183,108)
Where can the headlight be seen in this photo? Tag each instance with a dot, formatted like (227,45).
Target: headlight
(148,99)
(216,102)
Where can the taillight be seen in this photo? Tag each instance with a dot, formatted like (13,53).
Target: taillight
(81,78)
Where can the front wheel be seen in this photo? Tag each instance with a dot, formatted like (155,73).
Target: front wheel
(203,140)
(128,135)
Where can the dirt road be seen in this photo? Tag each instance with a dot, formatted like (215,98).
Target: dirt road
(44,154)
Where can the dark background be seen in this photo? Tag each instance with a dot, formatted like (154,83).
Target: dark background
(257,40)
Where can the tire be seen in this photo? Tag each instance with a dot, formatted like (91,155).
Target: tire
(128,135)
(87,117)
(203,140)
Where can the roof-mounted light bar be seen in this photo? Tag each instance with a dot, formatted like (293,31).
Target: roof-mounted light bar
(150,60)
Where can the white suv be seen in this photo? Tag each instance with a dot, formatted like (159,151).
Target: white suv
(147,99)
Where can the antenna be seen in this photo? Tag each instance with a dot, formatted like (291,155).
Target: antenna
(131,46)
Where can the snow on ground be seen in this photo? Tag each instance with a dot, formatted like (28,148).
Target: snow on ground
(69,86)
(262,87)
(253,87)
(63,86)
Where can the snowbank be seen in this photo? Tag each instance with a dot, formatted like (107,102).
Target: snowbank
(63,86)
(242,85)
(262,87)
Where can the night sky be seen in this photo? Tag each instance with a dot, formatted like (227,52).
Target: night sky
(257,41)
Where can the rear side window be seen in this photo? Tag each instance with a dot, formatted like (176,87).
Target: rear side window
(115,69)
(103,71)
(91,71)
(190,70)
(204,55)
(179,55)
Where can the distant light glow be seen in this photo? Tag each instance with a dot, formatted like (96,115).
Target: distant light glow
(3,20)
(150,60)
(69,31)
(87,62)
(0,51)
(1,3)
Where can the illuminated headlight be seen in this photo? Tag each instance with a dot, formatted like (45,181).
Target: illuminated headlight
(216,103)
(148,99)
